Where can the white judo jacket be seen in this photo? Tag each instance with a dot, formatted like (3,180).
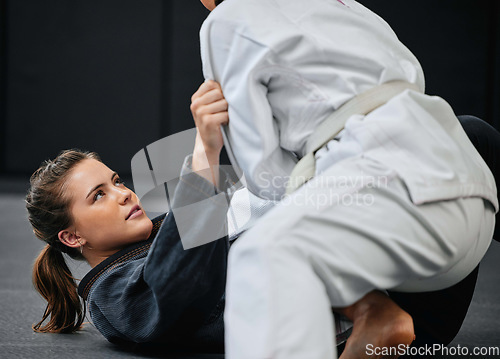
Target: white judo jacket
(285,65)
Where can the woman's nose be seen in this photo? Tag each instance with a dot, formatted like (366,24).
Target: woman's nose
(124,194)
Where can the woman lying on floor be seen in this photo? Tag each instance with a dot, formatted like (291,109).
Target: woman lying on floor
(144,287)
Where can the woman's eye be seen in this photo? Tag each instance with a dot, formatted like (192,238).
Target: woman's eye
(98,195)
(118,182)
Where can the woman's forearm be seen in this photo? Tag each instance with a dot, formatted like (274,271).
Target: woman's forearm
(206,163)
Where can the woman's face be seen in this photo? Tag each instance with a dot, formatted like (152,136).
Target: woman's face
(106,214)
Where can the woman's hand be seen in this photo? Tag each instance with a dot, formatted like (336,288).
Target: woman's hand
(209,110)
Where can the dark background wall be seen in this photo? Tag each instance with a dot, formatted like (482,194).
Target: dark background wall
(115,75)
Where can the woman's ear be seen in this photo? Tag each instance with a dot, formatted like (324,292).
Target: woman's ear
(70,239)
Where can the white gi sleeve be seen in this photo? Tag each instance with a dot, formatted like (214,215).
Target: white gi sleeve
(239,64)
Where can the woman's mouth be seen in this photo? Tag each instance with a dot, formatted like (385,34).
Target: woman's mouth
(135,212)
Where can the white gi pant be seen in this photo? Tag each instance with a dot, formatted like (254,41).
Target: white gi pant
(348,231)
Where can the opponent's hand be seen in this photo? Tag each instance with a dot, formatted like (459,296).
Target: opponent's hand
(209,110)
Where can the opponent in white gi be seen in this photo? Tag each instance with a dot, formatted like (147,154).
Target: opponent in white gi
(401,199)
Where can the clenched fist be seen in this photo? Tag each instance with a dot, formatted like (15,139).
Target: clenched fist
(209,109)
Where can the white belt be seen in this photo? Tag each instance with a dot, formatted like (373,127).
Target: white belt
(362,104)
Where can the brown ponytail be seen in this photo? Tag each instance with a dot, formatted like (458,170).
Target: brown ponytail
(48,213)
(53,280)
